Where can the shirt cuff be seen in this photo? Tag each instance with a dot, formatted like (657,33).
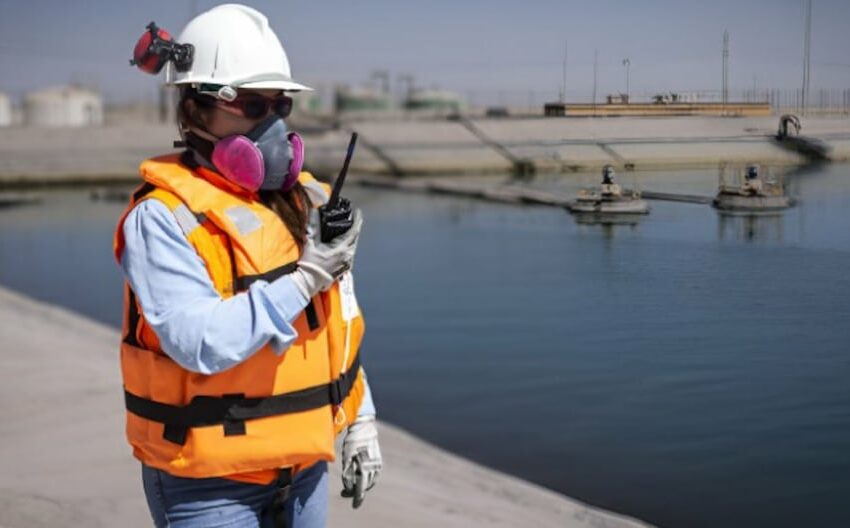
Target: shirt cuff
(367,406)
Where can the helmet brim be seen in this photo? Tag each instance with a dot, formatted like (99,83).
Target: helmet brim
(287,86)
(271,84)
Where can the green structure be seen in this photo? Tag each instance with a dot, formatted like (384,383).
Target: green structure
(362,100)
(436,100)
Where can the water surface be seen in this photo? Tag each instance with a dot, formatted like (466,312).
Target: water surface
(690,370)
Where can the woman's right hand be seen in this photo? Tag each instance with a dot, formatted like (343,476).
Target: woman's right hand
(321,263)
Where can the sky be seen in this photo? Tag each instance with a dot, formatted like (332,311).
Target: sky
(476,48)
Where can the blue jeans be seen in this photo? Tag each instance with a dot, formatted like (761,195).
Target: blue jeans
(178,502)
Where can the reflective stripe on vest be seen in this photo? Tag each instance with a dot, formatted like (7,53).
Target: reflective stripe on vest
(187,220)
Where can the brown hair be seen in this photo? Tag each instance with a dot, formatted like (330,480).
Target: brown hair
(291,206)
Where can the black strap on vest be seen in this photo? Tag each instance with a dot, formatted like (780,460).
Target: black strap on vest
(133,314)
(312,316)
(245,281)
(132,320)
(232,410)
(142,191)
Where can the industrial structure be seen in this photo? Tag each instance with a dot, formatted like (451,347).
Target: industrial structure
(661,108)
(64,106)
(361,100)
(436,101)
(307,103)
(419,102)
(5,110)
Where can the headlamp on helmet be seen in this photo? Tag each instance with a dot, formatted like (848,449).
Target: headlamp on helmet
(155,48)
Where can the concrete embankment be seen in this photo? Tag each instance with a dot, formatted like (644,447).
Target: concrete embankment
(65,461)
(571,145)
(403,147)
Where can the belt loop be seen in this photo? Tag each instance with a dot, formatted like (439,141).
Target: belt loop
(284,485)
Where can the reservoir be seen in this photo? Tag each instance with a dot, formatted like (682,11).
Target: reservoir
(690,369)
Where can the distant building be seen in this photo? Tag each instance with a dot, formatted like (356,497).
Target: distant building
(438,101)
(673,97)
(65,106)
(663,105)
(307,103)
(6,118)
(617,99)
(361,100)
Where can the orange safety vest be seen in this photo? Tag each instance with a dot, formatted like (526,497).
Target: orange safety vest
(270,411)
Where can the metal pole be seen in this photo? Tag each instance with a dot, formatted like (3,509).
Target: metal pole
(807,59)
(384,77)
(627,63)
(564,74)
(595,70)
(409,81)
(725,92)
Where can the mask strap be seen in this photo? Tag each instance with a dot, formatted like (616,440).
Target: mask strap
(201,146)
(203,134)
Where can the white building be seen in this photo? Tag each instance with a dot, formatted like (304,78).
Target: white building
(6,117)
(65,106)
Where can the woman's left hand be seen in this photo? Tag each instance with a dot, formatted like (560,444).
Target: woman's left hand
(361,459)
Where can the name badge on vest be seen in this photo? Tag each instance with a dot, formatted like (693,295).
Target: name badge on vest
(350,310)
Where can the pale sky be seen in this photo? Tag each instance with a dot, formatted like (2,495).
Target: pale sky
(466,46)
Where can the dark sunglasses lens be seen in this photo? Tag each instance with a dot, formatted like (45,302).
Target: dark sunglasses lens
(203,100)
(283,106)
(255,107)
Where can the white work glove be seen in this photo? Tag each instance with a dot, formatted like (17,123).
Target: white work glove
(361,459)
(322,263)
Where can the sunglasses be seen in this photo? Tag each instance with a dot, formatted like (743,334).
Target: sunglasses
(251,105)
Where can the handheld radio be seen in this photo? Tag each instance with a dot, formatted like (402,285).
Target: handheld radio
(335,216)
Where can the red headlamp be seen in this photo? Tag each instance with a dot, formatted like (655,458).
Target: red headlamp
(156,47)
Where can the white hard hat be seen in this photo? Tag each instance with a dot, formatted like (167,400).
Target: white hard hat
(234,46)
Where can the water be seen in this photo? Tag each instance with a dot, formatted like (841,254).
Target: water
(690,370)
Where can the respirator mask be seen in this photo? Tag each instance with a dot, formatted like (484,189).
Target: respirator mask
(267,158)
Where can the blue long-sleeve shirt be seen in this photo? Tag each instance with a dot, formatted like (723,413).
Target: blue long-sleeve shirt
(196,327)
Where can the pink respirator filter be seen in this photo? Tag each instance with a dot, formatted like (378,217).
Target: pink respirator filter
(297,162)
(240,161)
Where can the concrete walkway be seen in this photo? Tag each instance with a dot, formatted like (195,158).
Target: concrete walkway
(65,462)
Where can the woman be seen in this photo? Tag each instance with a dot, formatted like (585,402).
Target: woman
(241,334)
